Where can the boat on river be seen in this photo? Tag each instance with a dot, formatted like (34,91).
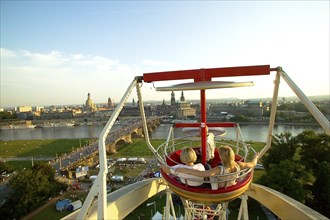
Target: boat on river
(56,125)
(12,127)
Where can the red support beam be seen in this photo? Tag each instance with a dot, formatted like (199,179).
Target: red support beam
(189,125)
(207,74)
(203,125)
(209,124)
(222,124)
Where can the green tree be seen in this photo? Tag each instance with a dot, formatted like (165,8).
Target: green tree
(315,148)
(321,189)
(46,170)
(284,146)
(294,175)
(5,115)
(32,187)
(315,155)
(240,118)
(288,177)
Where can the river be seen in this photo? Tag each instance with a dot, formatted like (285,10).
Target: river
(250,132)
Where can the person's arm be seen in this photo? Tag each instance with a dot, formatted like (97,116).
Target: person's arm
(170,169)
(165,168)
(199,173)
(251,164)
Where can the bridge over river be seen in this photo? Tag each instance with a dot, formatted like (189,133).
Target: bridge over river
(131,128)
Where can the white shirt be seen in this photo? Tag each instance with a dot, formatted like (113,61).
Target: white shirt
(229,180)
(188,178)
(210,147)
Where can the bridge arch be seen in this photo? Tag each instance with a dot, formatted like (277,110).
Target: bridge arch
(125,136)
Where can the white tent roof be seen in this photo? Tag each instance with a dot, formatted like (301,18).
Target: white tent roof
(157,216)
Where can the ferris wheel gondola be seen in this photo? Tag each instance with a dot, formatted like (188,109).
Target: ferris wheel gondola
(203,81)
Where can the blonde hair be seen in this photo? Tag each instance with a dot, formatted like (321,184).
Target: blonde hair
(188,155)
(227,157)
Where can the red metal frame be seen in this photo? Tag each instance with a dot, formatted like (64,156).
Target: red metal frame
(195,125)
(203,126)
(207,74)
(200,75)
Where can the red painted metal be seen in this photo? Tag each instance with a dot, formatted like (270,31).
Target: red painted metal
(189,125)
(203,125)
(209,124)
(222,124)
(207,74)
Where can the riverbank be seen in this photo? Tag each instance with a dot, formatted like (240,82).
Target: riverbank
(80,122)
(280,123)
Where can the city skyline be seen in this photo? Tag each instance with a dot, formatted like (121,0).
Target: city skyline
(192,101)
(99,47)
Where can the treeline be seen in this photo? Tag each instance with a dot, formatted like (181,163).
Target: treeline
(299,167)
(5,116)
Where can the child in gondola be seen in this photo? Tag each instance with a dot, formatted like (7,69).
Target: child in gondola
(188,157)
(229,165)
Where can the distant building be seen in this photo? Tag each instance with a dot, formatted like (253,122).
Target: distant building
(89,105)
(110,104)
(172,98)
(57,115)
(22,109)
(129,110)
(39,109)
(103,113)
(181,109)
(182,98)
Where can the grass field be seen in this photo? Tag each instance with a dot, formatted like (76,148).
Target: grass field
(138,148)
(49,148)
(50,211)
(39,148)
(22,164)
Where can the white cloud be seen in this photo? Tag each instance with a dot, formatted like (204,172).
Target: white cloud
(29,78)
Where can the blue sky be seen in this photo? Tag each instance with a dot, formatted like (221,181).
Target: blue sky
(55,52)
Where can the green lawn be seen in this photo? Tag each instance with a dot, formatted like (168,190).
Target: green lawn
(138,148)
(50,211)
(21,164)
(39,148)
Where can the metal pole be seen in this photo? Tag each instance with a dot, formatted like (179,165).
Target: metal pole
(100,183)
(155,207)
(144,124)
(272,115)
(203,125)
